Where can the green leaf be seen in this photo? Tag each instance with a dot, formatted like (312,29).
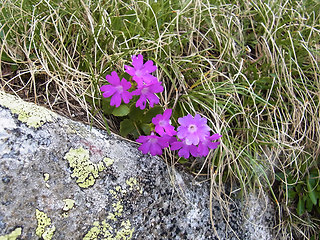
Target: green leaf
(298,188)
(152,112)
(146,128)
(135,133)
(311,192)
(300,207)
(309,205)
(183,160)
(126,127)
(292,194)
(135,113)
(106,108)
(122,110)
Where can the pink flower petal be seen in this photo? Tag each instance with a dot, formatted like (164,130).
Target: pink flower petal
(115,100)
(149,67)
(113,78)
(137,61)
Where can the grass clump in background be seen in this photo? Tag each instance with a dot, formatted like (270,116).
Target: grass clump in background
(250,67)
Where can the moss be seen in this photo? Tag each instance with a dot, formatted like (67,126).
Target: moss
(13,235)
(84,170)
(31,114)
(43,229)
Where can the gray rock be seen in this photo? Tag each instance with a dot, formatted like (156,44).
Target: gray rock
(61,179)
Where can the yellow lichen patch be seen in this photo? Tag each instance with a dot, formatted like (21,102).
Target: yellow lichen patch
(13,235)
(84,170)
(105,231)
(48,233)
(46,177)
(68,204)
(99,229)
(117,191)
(108,161)
(31,114)
(117,211)
(125,232)
(133,184)
(43,229)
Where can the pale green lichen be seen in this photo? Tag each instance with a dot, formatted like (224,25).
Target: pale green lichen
(13,235)
(46,177)
(84,170)
(44,229)
(133,184)
(48,233)
(108,161)
(117,207)
(118,191)
(105,231)
(29,113)
(68,204)
(116,212)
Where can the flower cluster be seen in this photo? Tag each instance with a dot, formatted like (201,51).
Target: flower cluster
(192,136)
(147,85)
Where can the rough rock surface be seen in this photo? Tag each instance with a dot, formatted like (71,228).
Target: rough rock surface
(61,179)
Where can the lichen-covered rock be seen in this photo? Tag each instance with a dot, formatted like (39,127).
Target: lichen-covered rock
(61,179)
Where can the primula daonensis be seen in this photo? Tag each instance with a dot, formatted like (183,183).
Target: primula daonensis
(117,89)
(147,92)
(185,149)
(205,145)
(193,130)
(194,136)
(141,73)
(162,123)
(193,133)
(153,144)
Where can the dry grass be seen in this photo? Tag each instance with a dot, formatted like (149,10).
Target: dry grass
(250,67)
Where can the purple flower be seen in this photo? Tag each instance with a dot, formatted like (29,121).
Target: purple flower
(162,123)
(148,93)
(117,89)
(203,147)
(153,144)
(141,72)
(193,130)
(185,149)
